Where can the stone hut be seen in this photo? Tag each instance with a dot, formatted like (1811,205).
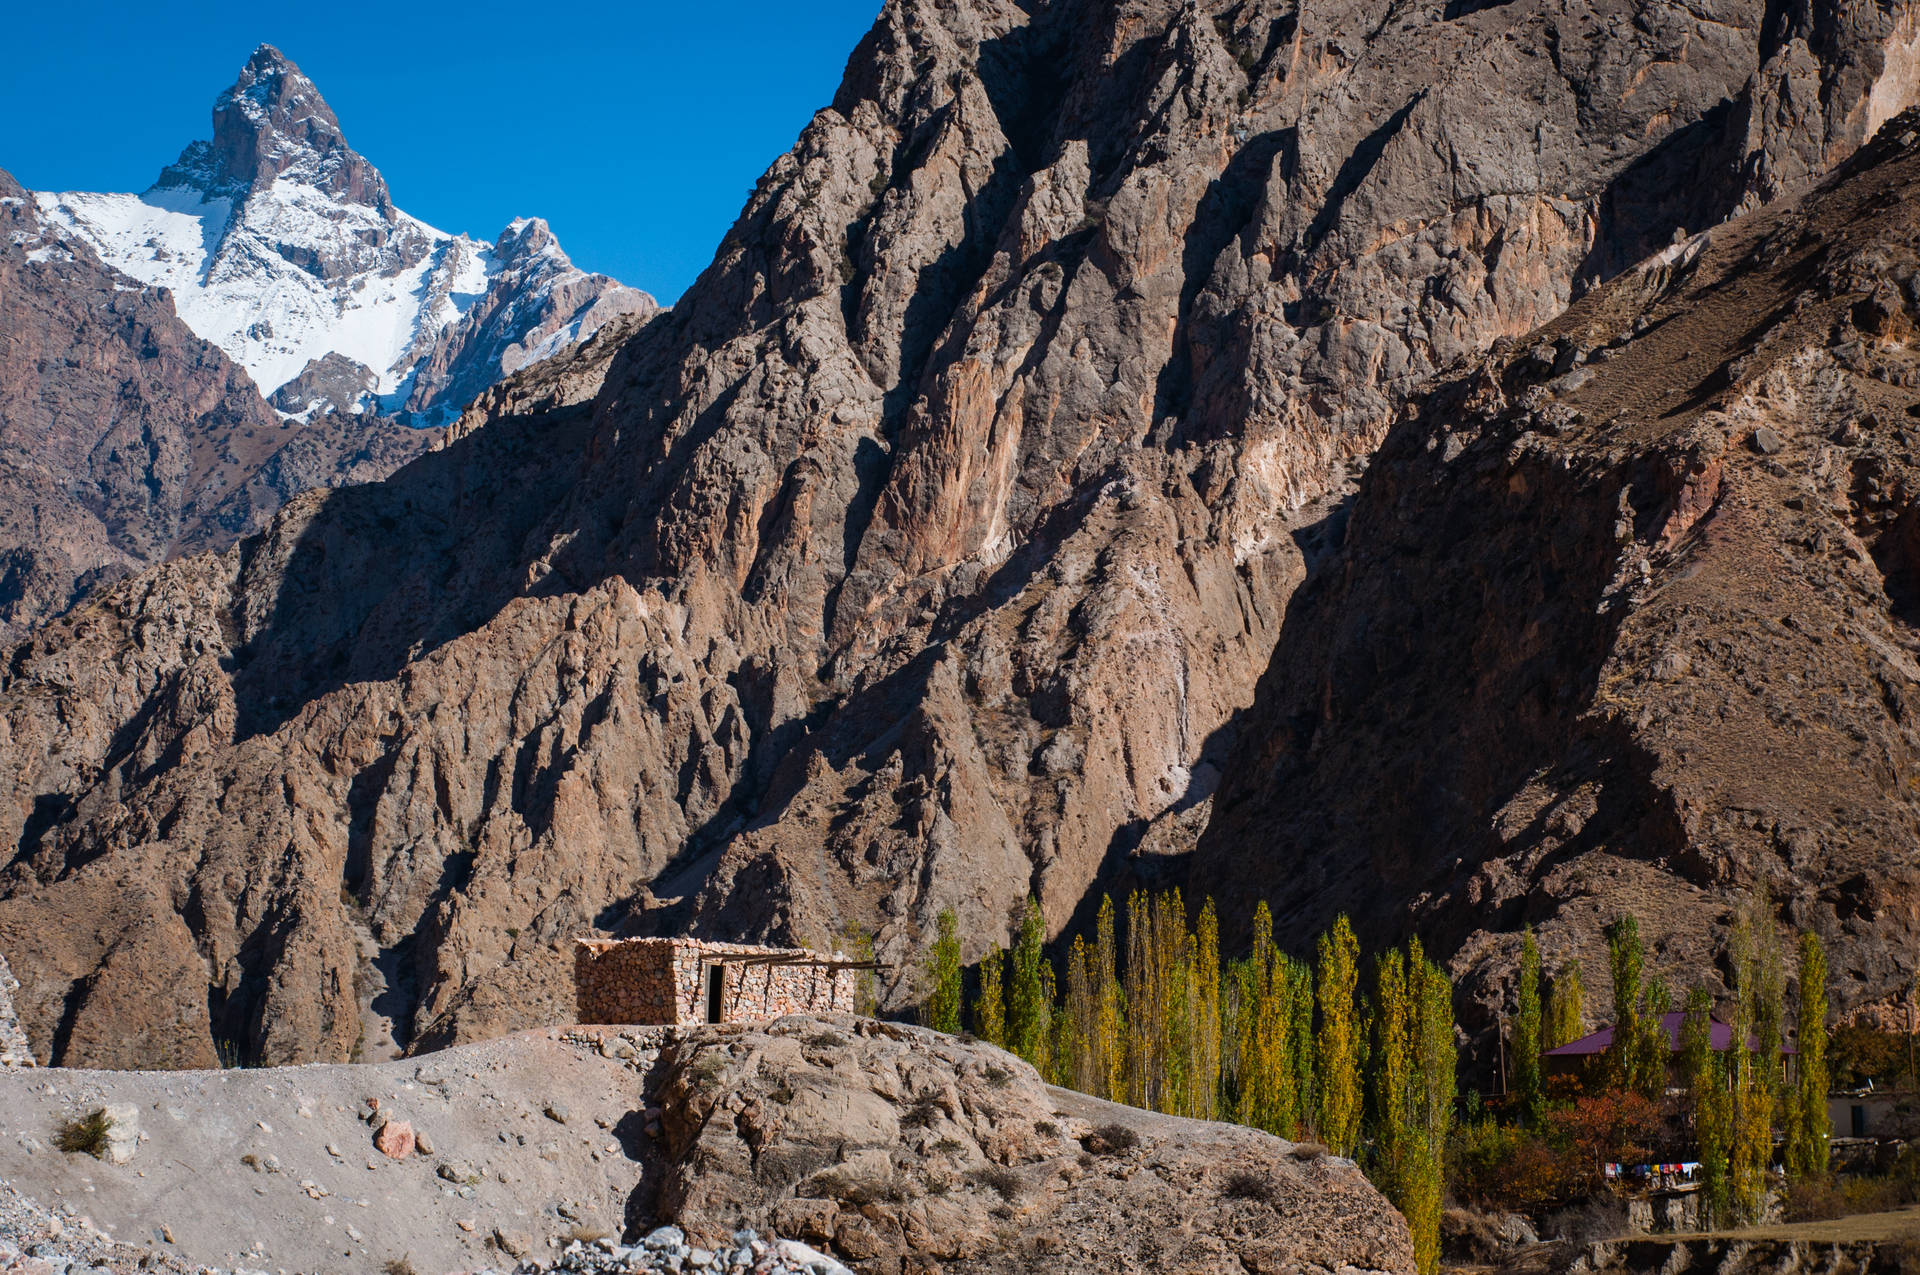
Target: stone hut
(679,981)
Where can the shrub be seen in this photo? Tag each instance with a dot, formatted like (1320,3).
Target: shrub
(399,1265)
(1504,1167)
(999,1178)
(85,1135)
(922,1114)
(1113,1139)
(1247,1185)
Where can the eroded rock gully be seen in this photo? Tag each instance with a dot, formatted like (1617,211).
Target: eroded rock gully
(921,557)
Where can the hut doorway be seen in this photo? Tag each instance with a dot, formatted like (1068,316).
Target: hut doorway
(716,992)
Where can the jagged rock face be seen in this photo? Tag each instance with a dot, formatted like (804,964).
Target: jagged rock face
(14,1048)
(1625,622)
(921,557)
(270,123)
(281,244)
(124,438)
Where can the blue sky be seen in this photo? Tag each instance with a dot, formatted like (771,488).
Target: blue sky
(636,129)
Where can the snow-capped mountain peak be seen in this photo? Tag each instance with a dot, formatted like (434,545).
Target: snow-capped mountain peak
(281,244)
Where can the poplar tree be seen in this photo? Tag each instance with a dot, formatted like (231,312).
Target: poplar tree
(1437,1057)
(1412,1083)
(1142,1003)
(1565,1014)
(1203,1100)
(1029,1008)
(1750,1129)
(990,1011)
(1808,1128)
(1110,1036)
(1303,1075)
(1624,959)
(1709,1105)
(1080,1027)
(1337,1052)
(943,1001)
(1045,1059)
(1526,1035)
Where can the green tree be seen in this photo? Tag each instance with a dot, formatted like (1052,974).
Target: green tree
(1709,1106)
(943,970)
(1302,1076)
(1079,1030)
(1808,1129)
(1527,1035)
(1204,1091)
(990,1011)
(1411,1083)
(1029,1008)
(1565,1014)
(1110,1035)
(857,941)
(1338,1044)
(1624,960)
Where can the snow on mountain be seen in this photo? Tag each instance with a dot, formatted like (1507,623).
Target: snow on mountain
(281,245)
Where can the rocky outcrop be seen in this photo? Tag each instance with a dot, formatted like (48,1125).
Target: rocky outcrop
(902,1149)
(1624,622)
(14,1049)
(922,557)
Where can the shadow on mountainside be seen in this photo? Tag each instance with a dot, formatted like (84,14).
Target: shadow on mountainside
(381,574)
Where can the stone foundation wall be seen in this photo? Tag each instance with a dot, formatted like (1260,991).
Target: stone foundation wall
(665,981)
(14,1049)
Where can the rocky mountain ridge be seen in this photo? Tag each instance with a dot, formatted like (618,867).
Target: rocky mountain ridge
(281,244)
(1624,622)
(124,438)
(925,555)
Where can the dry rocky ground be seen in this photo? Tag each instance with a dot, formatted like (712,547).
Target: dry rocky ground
(892,1149)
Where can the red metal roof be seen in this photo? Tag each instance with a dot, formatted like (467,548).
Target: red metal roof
(1673,1023)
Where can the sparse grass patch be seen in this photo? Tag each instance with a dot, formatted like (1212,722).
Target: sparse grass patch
(949,1146)
(1046,1128)
(827,1040)
(997,1076)
(84,1135)
(400,1265)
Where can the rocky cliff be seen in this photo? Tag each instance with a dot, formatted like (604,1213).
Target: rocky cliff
(1624,621)
(923,556)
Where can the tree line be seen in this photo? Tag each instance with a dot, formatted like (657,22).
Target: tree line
(1736,1102)
(1358,1055)
(1361,1055)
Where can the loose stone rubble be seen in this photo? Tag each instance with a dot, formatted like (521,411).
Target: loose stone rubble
(667,1249)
